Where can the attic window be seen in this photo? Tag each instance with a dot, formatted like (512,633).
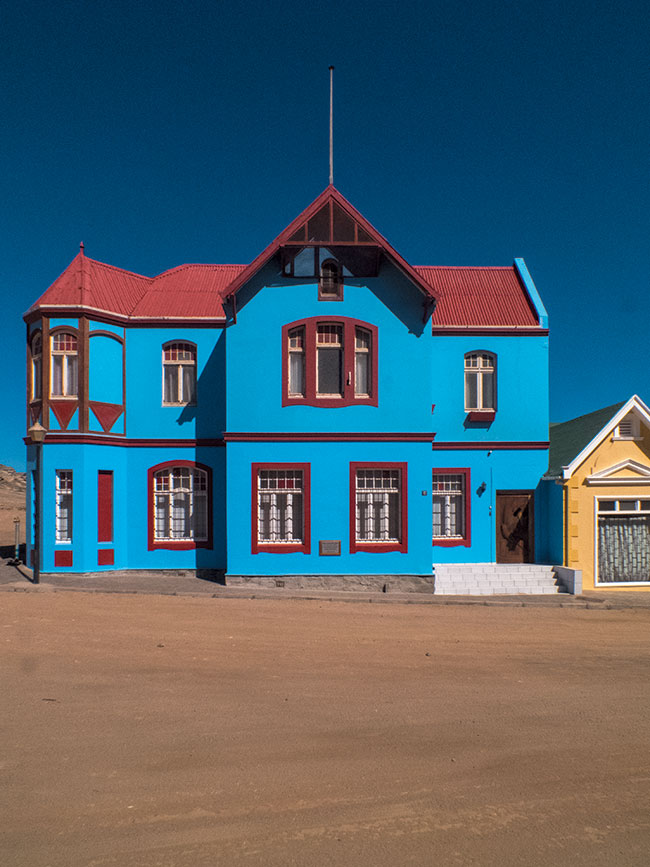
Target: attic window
(330,284)
(628,429)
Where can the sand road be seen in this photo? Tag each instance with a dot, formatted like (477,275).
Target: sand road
(181,732)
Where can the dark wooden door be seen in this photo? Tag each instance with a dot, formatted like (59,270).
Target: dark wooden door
(515,527)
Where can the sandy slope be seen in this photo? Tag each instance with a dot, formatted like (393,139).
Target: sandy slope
(12,504)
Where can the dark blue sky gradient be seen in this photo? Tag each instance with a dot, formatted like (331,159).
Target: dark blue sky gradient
(467,133)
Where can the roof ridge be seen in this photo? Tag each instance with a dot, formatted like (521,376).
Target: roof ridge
(176,268)
(467,267)
(117,268)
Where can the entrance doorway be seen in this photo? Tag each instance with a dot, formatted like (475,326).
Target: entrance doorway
(515,527)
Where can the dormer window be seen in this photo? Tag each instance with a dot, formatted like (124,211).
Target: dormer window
(65,364)
(628,428)
(330,284)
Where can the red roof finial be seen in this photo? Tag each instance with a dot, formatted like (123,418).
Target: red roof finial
(81,248)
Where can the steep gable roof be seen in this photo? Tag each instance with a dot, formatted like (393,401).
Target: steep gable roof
(331,219)
(571,441)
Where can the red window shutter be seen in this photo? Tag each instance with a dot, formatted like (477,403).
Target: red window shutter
(104,506)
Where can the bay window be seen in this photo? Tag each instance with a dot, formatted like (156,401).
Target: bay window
(37,367)
(329,363)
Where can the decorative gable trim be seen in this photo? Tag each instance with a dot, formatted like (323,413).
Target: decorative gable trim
(641,474)
(330,205)
(635,405)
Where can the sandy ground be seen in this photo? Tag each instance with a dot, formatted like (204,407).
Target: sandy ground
(169,732)
(12,505)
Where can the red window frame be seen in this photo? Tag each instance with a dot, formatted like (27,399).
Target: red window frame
(379,547)
(104,505)
(466,540)
(303,547)
(310,397)
(181,544)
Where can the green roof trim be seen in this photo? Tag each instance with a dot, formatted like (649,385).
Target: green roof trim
(568,438)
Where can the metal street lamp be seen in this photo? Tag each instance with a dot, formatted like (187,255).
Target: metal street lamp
(37,435)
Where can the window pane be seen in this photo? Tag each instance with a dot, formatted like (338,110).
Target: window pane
(362,373)
(471,390)
(200,517)
(36,379)
(627,505)
(180,518)
(161,517)
(607,505)
(189,383)
(488,391)
(57,374)
(296,373)
(71,374)
(330,374)
(170,393)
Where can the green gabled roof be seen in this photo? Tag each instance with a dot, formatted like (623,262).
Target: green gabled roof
(568,438)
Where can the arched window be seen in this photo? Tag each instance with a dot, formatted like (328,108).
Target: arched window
(37,366)
(180,505)
(179,373)
(330,284)
(480,381)
(65,365)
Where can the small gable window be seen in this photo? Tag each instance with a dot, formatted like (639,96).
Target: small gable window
(37,366)
(628,428)
(329,363)
(330,284)
(65,365)
(480,382)
(179,374)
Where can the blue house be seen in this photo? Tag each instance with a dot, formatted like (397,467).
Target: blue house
(328,409)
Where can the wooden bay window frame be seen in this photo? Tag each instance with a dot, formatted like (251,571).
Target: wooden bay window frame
(359,359)
(184,543)
(65,346)
(286,470)
(463,539)
(379,546)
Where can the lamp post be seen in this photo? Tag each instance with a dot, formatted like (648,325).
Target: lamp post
(37,435)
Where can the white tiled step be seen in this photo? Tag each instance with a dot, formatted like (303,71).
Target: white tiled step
(482,579)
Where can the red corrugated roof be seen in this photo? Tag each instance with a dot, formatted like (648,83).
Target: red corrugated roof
(186,292)
(479,297)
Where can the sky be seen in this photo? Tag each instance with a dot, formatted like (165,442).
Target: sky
(466,133)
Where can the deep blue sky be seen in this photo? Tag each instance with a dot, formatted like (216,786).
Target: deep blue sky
(467,133)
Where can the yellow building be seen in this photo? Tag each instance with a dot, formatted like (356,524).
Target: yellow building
(600,464)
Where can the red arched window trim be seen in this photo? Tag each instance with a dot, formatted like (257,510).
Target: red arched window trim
(181,544)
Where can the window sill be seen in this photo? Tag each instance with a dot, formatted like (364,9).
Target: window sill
(178,544)
(483,415)
(178,404)
(450,543)
(378,547)
(286,548)
(329,402)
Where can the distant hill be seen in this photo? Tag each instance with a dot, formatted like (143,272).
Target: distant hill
(12,505)
(10,480)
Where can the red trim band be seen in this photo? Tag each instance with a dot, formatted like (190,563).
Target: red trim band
(491,446)
(114,440)
(306,437)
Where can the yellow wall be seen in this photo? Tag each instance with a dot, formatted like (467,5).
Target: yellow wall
(580,503)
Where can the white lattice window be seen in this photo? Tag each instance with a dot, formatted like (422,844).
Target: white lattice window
(480,381)
(37,366)
(65,364)
(63,506)
(179,373)
(378,496)
(448,505)
(180,504)
(280,506)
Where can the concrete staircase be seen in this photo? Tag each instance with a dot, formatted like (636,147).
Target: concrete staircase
(489,579)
